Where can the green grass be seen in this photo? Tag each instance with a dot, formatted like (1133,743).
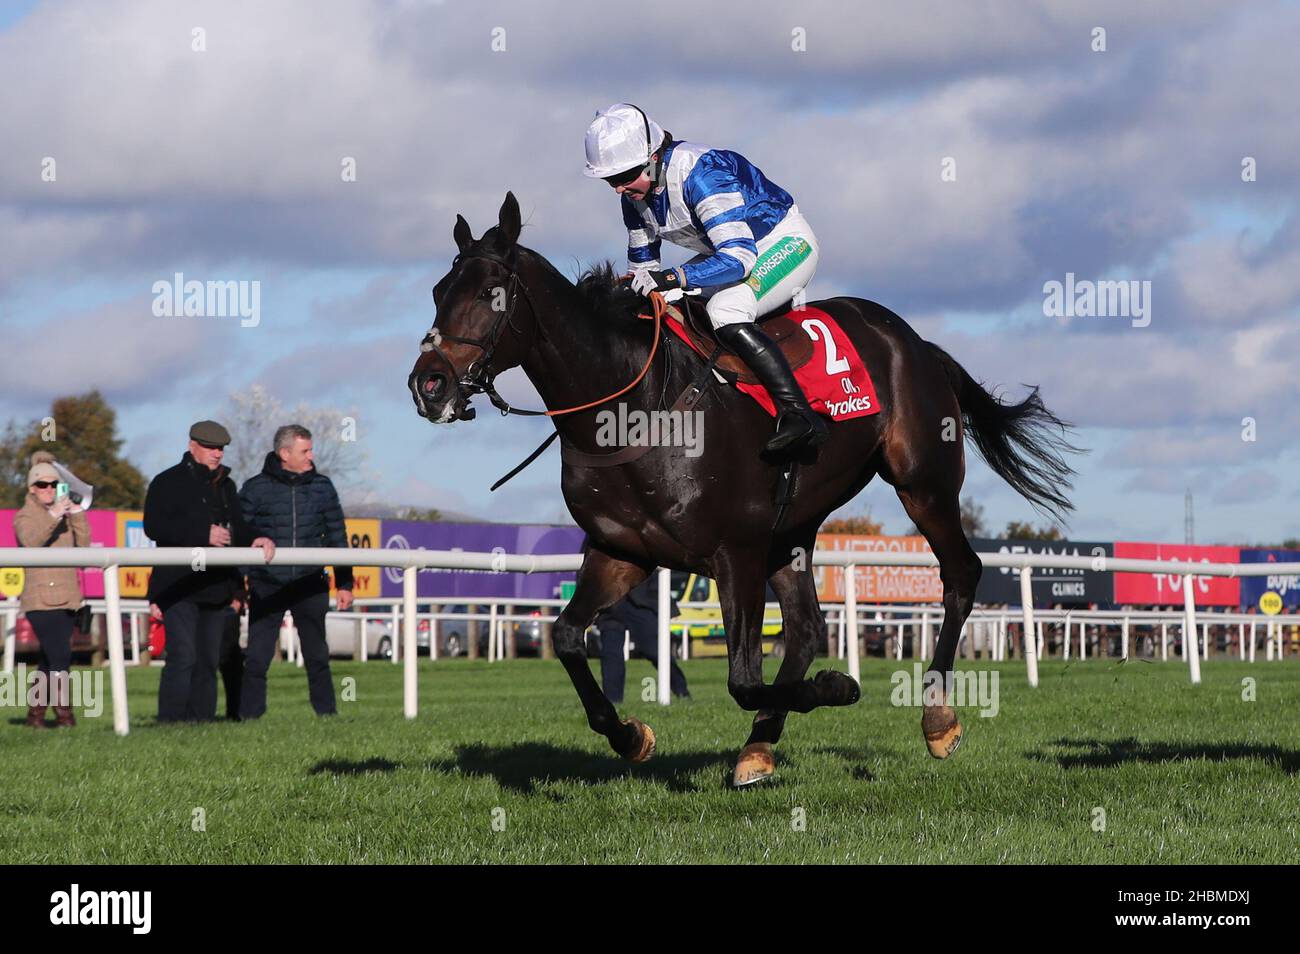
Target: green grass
(1184,774)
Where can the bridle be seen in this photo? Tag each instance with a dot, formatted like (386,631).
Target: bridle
(479,377)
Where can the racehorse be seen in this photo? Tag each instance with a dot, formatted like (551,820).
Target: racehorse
(581,344)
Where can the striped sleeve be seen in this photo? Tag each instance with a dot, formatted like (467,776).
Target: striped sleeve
(642,239)
(713,192)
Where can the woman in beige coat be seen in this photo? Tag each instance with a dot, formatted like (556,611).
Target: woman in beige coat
(51,595)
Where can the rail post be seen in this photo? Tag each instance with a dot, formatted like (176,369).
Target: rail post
(851,617)
(1190,650)
(11,639)
(1028,639)
(410,657)
(664,637)
(116,664)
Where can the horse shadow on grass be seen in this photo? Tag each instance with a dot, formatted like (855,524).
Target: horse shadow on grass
(340,767)
(523,767)
(1107,753)
(854,759)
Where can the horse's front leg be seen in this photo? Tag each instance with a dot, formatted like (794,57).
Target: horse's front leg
(802,625)
(741,582)
(741,577)
(603,580)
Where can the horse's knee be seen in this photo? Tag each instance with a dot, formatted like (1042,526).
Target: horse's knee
(569,641)
(745,694)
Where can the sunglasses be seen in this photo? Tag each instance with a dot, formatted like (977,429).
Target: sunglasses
(623,178)
(45,484)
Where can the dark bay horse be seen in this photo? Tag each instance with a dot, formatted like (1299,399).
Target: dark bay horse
(503,305)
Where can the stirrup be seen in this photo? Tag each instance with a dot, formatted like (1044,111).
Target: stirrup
(814,434)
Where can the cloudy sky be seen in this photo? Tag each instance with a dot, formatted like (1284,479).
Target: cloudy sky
(1170,157)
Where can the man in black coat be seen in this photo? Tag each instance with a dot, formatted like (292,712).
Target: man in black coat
(194,505)
(636,616)
(297,506)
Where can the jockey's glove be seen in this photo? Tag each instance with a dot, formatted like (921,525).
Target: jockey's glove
(645,281)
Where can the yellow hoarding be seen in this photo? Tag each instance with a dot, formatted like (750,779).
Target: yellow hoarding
(363,534)
(133,580)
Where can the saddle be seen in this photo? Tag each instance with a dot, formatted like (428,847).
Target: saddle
(789,337)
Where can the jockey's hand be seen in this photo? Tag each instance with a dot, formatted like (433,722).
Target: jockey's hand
(645,281)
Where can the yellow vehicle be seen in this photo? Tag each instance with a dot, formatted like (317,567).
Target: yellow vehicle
(708,637)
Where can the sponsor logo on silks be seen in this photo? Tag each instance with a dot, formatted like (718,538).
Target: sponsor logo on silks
(848,406)
(776,263)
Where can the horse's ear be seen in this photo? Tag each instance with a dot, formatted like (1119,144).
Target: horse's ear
(461,233)
(508,221)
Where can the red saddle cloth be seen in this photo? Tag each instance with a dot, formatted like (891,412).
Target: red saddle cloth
(834,380)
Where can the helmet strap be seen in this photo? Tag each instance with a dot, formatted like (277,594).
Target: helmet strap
(657,165)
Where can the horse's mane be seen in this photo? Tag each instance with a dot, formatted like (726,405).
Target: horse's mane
(600,288)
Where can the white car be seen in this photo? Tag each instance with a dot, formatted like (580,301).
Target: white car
(341,631)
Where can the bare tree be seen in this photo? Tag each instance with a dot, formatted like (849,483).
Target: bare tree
(252,417)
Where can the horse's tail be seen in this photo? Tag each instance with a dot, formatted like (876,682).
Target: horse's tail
(1024,443)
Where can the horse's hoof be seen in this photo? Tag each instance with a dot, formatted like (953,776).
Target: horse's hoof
(645,744)
(942,731)
(837,688)
(754,765)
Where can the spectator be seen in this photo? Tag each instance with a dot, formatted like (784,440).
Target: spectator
(51,595)
(231,658)
(637,615)
(231,661)
(194,504)
(295,505)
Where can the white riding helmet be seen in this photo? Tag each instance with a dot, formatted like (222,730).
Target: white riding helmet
(621,137)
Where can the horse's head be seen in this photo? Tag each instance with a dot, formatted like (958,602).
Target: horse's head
(481,309)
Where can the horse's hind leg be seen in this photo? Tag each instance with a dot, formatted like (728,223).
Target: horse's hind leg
(937,514)
(602,581)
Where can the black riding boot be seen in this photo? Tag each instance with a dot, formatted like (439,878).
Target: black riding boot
(798,426)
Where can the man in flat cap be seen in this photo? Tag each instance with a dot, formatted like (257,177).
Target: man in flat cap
(194,504)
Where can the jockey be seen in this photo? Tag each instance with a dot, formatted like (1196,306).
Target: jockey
(754,250)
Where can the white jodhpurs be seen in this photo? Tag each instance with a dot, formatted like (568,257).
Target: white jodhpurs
(787,260)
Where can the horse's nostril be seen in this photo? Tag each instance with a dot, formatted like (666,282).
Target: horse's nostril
(433,385)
